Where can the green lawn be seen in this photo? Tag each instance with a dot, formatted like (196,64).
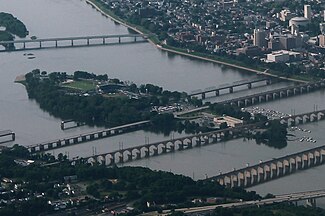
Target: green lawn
(84,85)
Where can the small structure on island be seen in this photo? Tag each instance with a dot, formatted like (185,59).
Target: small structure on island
(109,88)
(231,121)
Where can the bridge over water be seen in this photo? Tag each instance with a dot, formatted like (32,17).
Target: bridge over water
(64,42)
(86,137)
(167,146)
(230,87)
(275,94)
(272,169)
(6,133)
(309,196)
(188,142)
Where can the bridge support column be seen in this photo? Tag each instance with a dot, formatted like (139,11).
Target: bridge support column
(147,152)
(13,136)
(71,42)
(104,42)
(87,41)
(40,44)
(231,89)
(121,158)
(58,144)
(91,136)
(49,145)
(24,45)
(41,147)
(268,82)
(129,157)
(56,44)
(249,85)
(112,161)
(138,155)
(135,38)
(311,202)
(155,152)
(217,93)
(75,140)
(203,95)
(67,142)
(119,39)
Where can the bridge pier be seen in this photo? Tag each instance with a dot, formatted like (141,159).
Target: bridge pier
(135,38)
(119,39)
(24,45)
(203,95)
(217,92)
(40,44)
(249,85)
(104,42)
(231,89)
(311,202)
(56,44)
(129,157)
(72,43)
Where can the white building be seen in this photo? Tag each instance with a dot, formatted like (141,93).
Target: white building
(307,12)
(282,56)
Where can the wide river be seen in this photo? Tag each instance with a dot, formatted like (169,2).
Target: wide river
(139,63)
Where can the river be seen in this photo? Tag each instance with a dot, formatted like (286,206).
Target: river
(139,63)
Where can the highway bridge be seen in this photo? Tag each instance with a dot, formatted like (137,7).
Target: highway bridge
(308,196)
(230,87)
(63,42)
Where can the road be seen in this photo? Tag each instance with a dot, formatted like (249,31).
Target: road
(291,197)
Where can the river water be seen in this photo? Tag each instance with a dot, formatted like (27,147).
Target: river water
(140,63)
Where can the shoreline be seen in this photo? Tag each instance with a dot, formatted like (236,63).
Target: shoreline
(125,24)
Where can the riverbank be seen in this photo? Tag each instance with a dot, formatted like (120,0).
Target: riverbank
(154,41)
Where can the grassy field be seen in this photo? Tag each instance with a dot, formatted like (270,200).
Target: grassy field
(84,85)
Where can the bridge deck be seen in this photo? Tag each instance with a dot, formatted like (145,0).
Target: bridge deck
(92,132)
(72,38)
(5,133)
(228,85)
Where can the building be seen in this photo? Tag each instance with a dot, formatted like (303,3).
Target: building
(288,42)
(259,38)
(322,28)
(307,12)
(285,15)
(249,51)
(283,56)
(299,21)
(322,41)
(231,121)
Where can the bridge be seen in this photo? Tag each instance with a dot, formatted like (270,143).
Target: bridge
(303,118)
(167,146)
(83,41)
(6,133)
(86,137)
(188,142)
(275,94)
(308,196)
(272,169)
(230,87)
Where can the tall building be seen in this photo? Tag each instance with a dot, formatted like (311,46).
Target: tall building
(259,38)
(307,12)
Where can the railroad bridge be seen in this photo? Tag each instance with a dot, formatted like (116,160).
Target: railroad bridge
(230,87)
(49,145)
(167,146)
(303,118)
(272,169)
(83,41)
(275,94)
